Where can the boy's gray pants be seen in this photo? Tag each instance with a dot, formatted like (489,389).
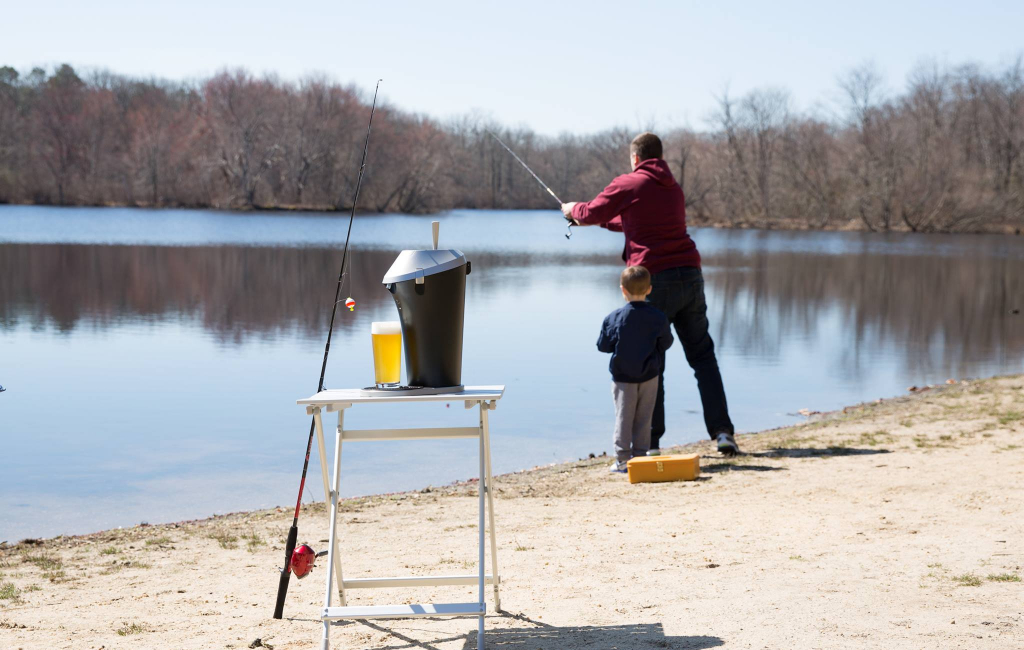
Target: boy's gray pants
(634,409)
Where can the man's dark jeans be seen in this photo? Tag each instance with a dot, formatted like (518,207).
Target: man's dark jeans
(679,293)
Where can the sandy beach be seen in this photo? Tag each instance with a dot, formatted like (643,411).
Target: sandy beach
(895,524)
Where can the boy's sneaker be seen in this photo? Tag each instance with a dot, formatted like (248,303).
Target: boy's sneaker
(727,444)
(653,452)
(614,469)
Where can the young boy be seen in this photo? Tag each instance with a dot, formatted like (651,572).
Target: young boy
(637,335)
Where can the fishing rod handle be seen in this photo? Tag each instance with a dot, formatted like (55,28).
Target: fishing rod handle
(286,572)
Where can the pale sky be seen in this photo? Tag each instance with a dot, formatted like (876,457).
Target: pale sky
(577,66)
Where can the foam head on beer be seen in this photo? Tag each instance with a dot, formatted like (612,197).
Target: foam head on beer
(387,352)
(391,327)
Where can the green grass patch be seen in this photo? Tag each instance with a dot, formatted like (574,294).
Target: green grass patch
(875,438)
(790,441)
(117,566)
(907,423)
(9,592)
(520,547)
(253,541)
(159,541)
(44,561)
(967,580)
(110,550)
(1010,417)
(56,576)
(32,588)
(1003,577)
(225,539)
(128,629)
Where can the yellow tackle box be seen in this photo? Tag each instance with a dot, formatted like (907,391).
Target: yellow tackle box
(654,469)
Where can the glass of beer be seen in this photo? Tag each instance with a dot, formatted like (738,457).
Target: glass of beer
(387,353)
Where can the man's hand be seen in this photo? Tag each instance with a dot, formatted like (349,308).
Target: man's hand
(567,211)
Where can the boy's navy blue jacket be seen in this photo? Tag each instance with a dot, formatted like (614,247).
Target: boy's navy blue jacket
(637,335)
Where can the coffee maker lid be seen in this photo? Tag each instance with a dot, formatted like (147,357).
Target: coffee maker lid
(419,264)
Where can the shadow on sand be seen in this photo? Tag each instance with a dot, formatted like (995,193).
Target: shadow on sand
(729,467)
(813,452)
(541,636)
(605,637)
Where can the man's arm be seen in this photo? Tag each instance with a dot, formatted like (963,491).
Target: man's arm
(605,207)
(615,225)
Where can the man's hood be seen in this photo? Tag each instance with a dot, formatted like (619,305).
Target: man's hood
(657,169)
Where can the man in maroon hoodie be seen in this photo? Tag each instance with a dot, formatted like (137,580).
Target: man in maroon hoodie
(647,206)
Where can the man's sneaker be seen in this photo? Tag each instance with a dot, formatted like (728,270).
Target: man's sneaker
(614,469)
(727,444)
(653,452)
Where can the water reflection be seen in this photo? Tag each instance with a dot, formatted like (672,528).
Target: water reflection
(236,292)
(942,311)
(934,312)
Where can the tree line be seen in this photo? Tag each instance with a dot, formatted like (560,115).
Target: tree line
(945,154)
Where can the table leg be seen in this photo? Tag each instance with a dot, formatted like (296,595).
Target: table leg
(336,564)
(481,486)
(331,549)
(486,431)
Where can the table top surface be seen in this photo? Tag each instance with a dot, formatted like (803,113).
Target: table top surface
(357,396)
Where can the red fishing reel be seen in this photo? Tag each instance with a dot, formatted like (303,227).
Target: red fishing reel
(303,560)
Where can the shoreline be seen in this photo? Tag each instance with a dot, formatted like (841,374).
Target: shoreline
(703,447)
(460,486)
(885,524)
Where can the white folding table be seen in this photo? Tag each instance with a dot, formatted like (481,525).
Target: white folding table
(486,398)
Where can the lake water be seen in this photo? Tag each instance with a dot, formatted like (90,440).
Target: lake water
(153,358)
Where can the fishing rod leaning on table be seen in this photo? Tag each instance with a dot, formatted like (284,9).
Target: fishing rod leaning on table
(293,532)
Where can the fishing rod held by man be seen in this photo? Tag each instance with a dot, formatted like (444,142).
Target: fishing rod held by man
(571,223)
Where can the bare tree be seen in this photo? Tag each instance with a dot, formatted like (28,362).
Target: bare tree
(10,127)
(873,158)
(688,152)
(766,112)
(240,114)
(809,155)
(60,128)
